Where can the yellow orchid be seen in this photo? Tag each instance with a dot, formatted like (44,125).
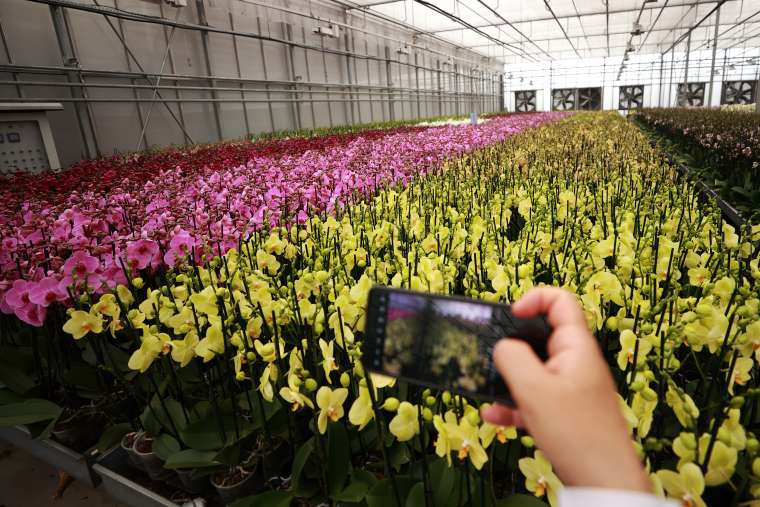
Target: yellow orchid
(685,447)
(741,373)
(81,323)
(328,359)
(445,426)
(361,412)
(205,302)
(405,424)
(267,262)
(628,342)
(212,344)
(265,382)
(292,395)
(330,403)
(731,432)
(684,407)
(465,440)
(540,478)
(722,463)
(150,347)
(125,296)
(182,321)
(183,351)
(686,485)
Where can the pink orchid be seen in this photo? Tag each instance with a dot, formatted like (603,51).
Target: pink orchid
(46,292)
(142,253)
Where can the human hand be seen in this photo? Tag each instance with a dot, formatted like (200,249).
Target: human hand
(567,404)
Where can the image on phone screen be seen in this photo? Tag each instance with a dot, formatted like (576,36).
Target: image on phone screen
(440,341)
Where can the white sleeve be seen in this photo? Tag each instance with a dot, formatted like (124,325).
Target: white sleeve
(597,497)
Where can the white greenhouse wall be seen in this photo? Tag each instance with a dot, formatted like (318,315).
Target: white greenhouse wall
(249,83)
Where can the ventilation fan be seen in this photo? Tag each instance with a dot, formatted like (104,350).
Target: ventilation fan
(691,94)
(589,98)
(563,99)
(631,97)
(525,101)
(738,92)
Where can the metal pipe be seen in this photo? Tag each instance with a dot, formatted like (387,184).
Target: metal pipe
(712,66)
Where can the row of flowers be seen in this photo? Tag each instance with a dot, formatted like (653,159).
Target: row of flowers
(200,202)
(723,145)
(263,343)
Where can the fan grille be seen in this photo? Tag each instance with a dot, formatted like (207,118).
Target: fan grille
(525,101)
(738,92)
(691,94)
(631,97)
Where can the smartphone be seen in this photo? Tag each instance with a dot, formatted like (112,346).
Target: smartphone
(444,342)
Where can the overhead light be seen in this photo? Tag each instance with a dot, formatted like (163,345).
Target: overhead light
(637,29)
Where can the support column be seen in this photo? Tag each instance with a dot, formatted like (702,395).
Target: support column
(212,82)
(240,75)
(295,105)
(389,83)
(81,107)
(712,65)
(659,88)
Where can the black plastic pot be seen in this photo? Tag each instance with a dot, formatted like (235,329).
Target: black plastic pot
(192,482)
(80,430)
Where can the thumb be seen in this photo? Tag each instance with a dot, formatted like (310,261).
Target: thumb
(519,366)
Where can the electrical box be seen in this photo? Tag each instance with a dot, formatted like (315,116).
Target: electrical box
(26,140)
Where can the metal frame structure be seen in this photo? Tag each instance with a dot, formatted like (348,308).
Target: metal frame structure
(377,69)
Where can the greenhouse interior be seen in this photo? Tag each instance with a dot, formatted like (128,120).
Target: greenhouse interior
(487,253)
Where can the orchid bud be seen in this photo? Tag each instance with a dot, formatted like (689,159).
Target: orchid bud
(446,398)
(138,283)
(752,446)
(527,441)
(637,386)
(612,323)
(427,414)
(430,401)
(345,379)
(736,402)
(391,404)
(756,467)
(250,356)
(310,385)
(240,375)
(649,394)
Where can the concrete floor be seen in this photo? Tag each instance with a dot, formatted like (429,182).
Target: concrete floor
(26,481)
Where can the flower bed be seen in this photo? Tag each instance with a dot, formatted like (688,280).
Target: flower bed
(94,224)
(246,367)
(722,145)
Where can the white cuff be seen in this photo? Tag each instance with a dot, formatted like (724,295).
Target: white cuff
(598,497)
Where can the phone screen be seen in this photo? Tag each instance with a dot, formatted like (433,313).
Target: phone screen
(439,341)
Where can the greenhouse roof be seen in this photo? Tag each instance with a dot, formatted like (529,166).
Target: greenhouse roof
(521,31)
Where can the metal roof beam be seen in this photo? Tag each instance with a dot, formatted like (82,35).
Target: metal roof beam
(583,14)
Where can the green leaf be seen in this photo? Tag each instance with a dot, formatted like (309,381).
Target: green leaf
(266,499)
(302,455)
(206,434)
(112,436)
(338,457)
(416,496)
(398,454)
(8,396)
(191,458)
(358,486)
(27,412)
(520,500)
(165,446)
(382,494)
(443,478)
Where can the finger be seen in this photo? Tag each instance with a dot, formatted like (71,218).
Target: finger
(499,415)
(519,366)
(560,306)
